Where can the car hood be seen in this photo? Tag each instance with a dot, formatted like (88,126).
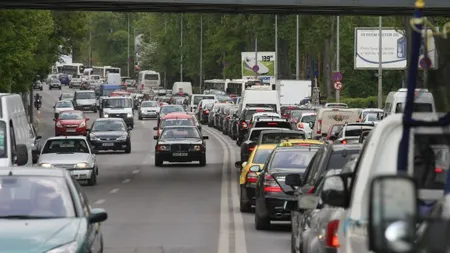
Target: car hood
(54,158)
(85,101)
(150,108)
(109,133)
(117,110)
(180,141)
(41,235)
(57,110)
(71,121)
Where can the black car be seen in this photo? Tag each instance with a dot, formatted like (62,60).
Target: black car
(244,120)
(270,191)
(180,144)
(110,134)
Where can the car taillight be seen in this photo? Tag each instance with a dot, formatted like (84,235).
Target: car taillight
(319,127)
(252,177)
(244,124)
(58,124)
(206,112)
(438,170)
(300,125)
(344,141)
(311,190)
(251,148)
(331,239)
(270,185)
(272,124)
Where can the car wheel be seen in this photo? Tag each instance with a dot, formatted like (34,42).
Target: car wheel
(244,207)
(158,161)
(59,87)
(93,180)
(140,118)
(95,109)
(203,161)
(128,148)
(238,142)
(42,88)
(261,222)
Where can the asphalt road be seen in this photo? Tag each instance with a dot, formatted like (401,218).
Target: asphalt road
(177,208)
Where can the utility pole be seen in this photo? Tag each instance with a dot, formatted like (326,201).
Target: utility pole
(201,53)
(129,59)
(181,48)
(338,54)
(90,47)
(297,52)
(165,67)
(276,47)
(256,54)
(380,63)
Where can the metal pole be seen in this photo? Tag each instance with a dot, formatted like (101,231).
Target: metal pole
(256,54)
(297,50)
(380,64)
(181,48)
(165,67)
(276,47)
(201,52)
(90,47)
(338,54)
(31,105)
(128,44)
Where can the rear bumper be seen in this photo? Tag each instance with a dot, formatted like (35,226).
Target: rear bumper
(82,174)
(86,107)
(191,156)
(274,203)
(65,131)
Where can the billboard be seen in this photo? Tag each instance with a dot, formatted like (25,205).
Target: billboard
(264,68)
(394,49)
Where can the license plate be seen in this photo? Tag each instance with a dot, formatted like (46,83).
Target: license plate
(71,130)
(108,144)
(180,154)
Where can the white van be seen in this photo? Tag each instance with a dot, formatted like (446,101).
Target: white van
(196,98)
(327,117)
(113,78)
(15,143)
(260,98)
(395,101)
(182,87)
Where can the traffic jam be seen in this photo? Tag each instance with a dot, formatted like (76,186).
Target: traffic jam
(299,163)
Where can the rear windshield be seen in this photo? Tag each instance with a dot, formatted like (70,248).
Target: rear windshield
(249,113)
(275,138)
(418,107)
(339,158)
(199,98)
(273,124)
(261,156)
(292,159)
(309,119)
(356,130)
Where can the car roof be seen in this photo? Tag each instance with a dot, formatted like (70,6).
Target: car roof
(108,119)
(84,91)
(172,106)
(341,147)
(178,115)
(277,130)
(297,148)
(262,128)
(168,127)
(76,137)
(32,171)
(72,111)
(267,146)
(271,119)
(259,108)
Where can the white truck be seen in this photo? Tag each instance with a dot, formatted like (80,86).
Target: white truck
(292,91)
(113,78)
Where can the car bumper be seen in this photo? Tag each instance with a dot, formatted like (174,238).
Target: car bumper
(129,121)
(148,114)
(190,157)
(248,193)
(83,174)
(274,203)
(109,145)
(55,86)
(71,131)
(86,107)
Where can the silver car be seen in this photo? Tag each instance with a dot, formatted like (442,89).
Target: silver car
(55,83)
(149,109)
(73,153)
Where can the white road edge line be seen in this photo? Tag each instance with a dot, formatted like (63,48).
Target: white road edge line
(126,181)
(100,201)
(240,242)
(115,190)
(135,171)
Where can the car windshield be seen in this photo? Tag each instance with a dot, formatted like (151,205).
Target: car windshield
(356,130)
(180,132)
(107,125)
(86,95)
(291,159)
(71,116)
(34,197)
(117,103)
(66,96)
(64,105)
(373,116)
(261,156)
(197,99)
(276,137)
(249,113)
(177,122)
(339,158)
(418,107)
(254,136)
(65,146)
(149,104)
(308,119)
(169,109)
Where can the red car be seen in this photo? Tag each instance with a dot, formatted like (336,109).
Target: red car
(71,123)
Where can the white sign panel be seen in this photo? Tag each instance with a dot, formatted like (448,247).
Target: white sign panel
(264,68)
(394,49)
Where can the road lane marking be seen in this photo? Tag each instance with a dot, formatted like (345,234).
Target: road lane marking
(135,171)
(126,181)
(100,201)
(114,190)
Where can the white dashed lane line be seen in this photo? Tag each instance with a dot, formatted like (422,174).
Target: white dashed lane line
(114,190)
(100,201)
(126,181)
(135,171)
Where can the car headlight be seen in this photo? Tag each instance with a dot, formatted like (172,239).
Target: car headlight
(123,137)
(196,148)
(93,137)
(129,115)
(66,248)
(105,115)
(45,165)
(83,124)
(163,147)
(81,165)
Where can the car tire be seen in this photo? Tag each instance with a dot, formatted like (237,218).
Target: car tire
(93,180)
(158,161)
(243,206)
(261,222)
(95,109)
(128,148)
(238,142)
(203,161)
(60,87)
(42,88)
(139,118)
(49,88)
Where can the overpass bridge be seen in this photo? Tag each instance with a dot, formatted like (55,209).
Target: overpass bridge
(319,7)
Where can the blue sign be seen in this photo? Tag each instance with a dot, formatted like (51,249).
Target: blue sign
(255,68)
(425,63)
(337,76)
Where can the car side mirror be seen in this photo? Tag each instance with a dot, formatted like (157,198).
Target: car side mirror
(97,215)
(255,168)
(293,180)
(335,190)
(38,137)
(307,202)
(205,137)
(238,165)
(155,137)
(393,210)
(155,128)
(21,154)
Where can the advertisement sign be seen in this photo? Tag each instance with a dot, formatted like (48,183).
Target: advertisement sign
(264,68)
(394,49)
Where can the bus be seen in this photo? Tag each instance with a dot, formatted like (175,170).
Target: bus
(218,84)
(73,69)
(87,73)
(103,71)
(149,79)
(238,86)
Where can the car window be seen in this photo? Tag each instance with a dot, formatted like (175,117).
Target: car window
(308,119)
(185,132)
(46,197)
(276,137)
(85,95)
(292,159)
(65,104)
(107,125)
(149,104)
(65,146)
(71,116)
(339,158)
(356,130)
(254,136)
(261,156)
(177,122)
(170,109)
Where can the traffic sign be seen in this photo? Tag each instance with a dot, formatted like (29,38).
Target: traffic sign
(337,76)
(255,68)
(338,85)
(425,63)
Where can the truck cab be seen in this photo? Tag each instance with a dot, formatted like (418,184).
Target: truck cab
(118,107)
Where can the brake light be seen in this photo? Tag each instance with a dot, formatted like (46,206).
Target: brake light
(331,239)
(206,112)
(311,190)
(252,177)
(272,124)
(303,144)
(319,127)
(251,148)
(344,141)
(260,110)
(300,125)
(244,124)
(270,185)
(438,170)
